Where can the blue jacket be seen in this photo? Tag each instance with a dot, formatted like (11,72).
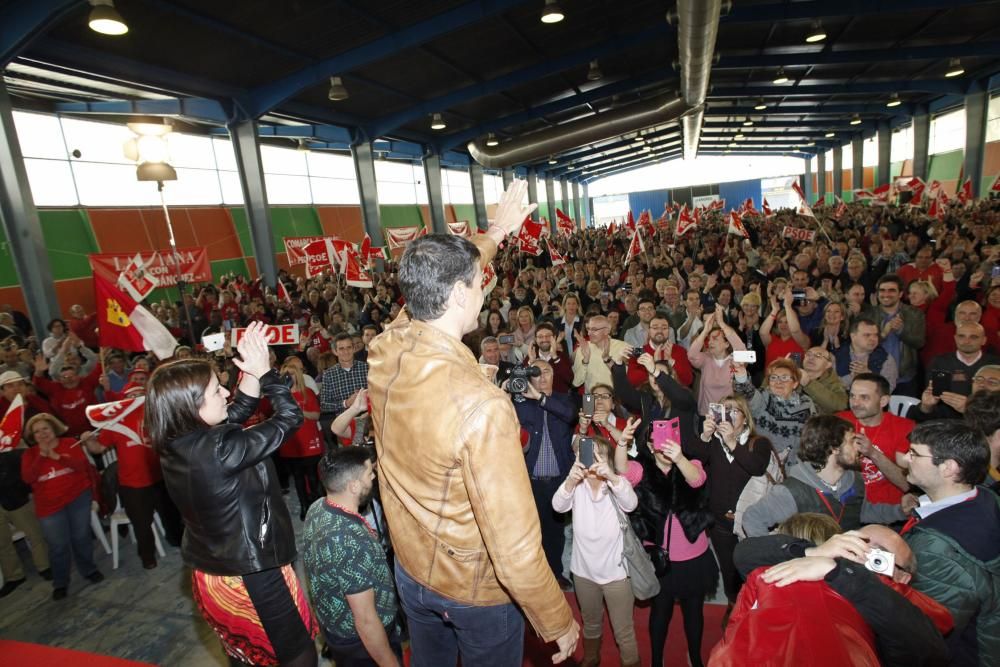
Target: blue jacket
(562,418)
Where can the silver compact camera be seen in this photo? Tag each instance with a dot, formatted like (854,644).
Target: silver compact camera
(881,562)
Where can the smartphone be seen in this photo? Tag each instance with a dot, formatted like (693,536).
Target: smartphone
(666,430)
(588,405)
(214,342)
(798,295)
(717,411)
(995,273)
(506,339)
(941,381)
(586,450)
(638,352)
(745,356)
(797,358)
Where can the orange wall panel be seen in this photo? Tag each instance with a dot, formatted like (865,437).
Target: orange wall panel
(868,177)
(342,221)
(991,160)
(214,229)
(449,213)
(119,230)
(69,292)
(846,179)
(15,297)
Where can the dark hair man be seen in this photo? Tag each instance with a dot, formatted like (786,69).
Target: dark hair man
(902,328)
(955,534)
(865,354)
(453,482)
(824,481)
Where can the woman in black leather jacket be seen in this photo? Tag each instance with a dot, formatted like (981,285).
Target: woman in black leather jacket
(238,536)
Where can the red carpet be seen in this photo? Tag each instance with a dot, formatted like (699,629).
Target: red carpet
(22,654)
(537,654)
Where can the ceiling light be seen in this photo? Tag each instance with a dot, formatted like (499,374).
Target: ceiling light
(638,138)
(727,151)
(830,135)
(760,106)
(733,144)
(856,120)
(594,73)
(491,140)
(105,19)
(781,77)
(817,34)
(552,160)
(747,122)
(552,12)
(894,101)
(437,122)
(646,149)
(954,68)
(811,143)
(338,92)
(738,136)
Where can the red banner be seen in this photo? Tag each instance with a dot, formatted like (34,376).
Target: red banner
(161,265)
(295,248)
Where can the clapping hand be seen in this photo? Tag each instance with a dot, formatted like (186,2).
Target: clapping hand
(254,359)
(511,212)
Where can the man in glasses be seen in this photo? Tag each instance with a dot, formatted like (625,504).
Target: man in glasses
(820,382)
(955,535)
(593,354)
(957,369)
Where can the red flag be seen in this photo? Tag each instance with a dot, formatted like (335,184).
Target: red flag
(124,324)
(530,237)
(882,194)
(12,425)
(369,253)
(736,225)
(630,223)
(766,209)
(748,208)
(123,417)
(635,247)
(685,222)
(717,205)
(996,184)
(863,194)
(489,279)
(557,259)
(841,208)
(936,209)
(798,191)
(965,193)
(916,187)
(611,229)
(136,279)
(324,254)
(564,223)
(283,294)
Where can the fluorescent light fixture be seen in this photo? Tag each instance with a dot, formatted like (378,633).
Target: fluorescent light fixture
(747,122)
(830,135)
(760,106)
(856,120)
(594,71)
(894,101)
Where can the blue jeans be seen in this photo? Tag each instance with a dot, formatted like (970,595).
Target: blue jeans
(440,629)
(68,531)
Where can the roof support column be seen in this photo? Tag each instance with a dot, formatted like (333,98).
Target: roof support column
(565,196)
(577,211)
(820,176)
(508,177)
(247,149)
(838,171)
(586,205)
(921,142)
(976,105)
(478,194)
(550,198)
(22,226)
(857,162)
(533,192)
(808,178)
(432,176)
(882,175)
(364,171)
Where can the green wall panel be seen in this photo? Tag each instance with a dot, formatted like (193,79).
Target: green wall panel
(223,266)
(465,212)
(543,210)
(242,230)
(946,166)
(400,216)
(68,239)
(293,221)
(8,274)
(984,187)
(895,169)
(847,195)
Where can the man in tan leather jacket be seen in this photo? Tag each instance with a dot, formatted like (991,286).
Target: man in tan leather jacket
(451,470)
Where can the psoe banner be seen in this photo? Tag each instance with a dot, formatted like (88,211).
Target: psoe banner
(295,248)
(798,234)
(190,263)
(276,334)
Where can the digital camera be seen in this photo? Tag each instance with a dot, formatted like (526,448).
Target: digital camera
(517,384)
(880,562)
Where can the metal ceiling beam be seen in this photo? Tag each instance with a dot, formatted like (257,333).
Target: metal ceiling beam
(623,155)
(603,164)
(716,108)
(270,96)
(790,11)
(951,87)
(564,158)
(543,69)
(23,22)
(972,49)
(194,109)
(654,76)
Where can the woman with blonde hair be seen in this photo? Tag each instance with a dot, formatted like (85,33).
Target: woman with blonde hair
(523,324)
(833,332)
(62,482)
(303,450)
(812,526)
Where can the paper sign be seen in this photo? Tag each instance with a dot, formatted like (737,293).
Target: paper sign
(798,234)
(276,334)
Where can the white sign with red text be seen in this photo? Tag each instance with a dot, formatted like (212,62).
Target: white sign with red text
(277,334)
(798,234)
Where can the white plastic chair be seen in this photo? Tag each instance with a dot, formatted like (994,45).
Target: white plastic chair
(119,518)
(900,405)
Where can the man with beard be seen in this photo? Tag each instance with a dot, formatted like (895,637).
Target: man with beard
(545,348)
(662,348)
(349,581)
(824,481)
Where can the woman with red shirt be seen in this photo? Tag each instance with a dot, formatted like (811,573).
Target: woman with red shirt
(790,338)
(62,482)
(303,450)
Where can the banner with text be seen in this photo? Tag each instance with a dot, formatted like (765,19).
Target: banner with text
(276,334)
(295,248)
(163,266)
(798,234)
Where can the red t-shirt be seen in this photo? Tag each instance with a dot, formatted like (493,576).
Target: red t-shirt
(779,349)
(891,437)
(55,484)
(320,342)
(138,462)
(307,441)
(70,405)
(909,272)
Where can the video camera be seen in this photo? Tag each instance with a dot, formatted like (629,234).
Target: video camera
(517,383)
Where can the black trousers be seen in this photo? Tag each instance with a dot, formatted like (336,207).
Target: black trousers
(724,542)
(139,504)
(553,537)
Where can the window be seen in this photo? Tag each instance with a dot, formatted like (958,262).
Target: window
(870,154)
(902,144)
(993,120)
(947,132)
(456,187)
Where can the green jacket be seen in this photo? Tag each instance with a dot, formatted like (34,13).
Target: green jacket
(828,393)
(968,586)
(913,335)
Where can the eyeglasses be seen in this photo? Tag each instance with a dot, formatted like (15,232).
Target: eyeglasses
(992,383)
(596,329)
(603,397)
(780,378)
(818,355)
(917,455)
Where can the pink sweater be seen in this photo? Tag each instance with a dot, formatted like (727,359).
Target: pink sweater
(597,535)
(716,378)
(679,548)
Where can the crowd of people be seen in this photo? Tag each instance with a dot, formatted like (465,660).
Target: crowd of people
(841,393)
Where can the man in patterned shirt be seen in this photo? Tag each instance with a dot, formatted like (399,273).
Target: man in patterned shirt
(349,582)
(340,383)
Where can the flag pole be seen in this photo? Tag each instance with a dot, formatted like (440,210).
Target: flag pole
(177,263)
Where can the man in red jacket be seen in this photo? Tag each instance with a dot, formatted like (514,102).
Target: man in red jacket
(84,326)
(70,396)
(662,349)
